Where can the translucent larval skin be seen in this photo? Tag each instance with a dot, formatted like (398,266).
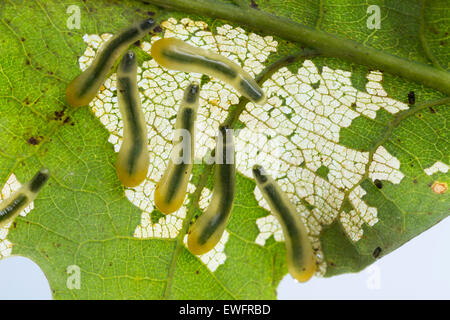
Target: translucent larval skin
(133,160)
(85,87)
(176,54)
(300,257)
(207,230)
(171,189)
(19,200)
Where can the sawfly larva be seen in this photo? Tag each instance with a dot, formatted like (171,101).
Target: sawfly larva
(171,189)
(301,260)
(176,54)
(132,160)
(85,87)
(19,200)
(207,230)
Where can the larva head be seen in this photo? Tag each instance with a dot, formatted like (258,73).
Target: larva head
(225,138)
(259,174)
(252,90)
(146,25)
(224,153)
(224,130)
(128,63)
(192,93)
(38,181)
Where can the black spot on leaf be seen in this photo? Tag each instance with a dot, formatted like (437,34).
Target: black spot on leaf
(411,97)
(376,252)
(378,183)
(34,141)
(315,85)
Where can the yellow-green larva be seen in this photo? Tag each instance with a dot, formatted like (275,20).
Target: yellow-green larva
(301,260)
(85,87)
(132,160)
(171,189)
(207,230)
(19,200)
(176,54)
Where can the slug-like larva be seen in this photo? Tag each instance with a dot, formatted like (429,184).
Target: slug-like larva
(207,230)
(85,87)
(301,261)
(132,160)
(171,189)
(176,54)
(19,200)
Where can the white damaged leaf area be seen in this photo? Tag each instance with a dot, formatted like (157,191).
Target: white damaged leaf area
(294,136)
(385,167)
(161,93)
(438,166)
(11,186)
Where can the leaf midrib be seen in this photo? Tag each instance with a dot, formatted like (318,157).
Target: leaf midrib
(329,45)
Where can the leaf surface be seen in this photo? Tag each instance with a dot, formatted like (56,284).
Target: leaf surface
(366,170)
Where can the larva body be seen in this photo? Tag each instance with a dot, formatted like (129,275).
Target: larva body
(85,87)
(176,54)
(207,230)
(133,160)
(171,189)
(19,200)
(301,261)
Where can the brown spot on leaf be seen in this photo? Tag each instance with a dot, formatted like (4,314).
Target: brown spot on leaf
(253,4)
(34,141)
(59,115)
(439,187)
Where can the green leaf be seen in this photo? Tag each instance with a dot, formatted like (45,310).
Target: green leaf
(367,171)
